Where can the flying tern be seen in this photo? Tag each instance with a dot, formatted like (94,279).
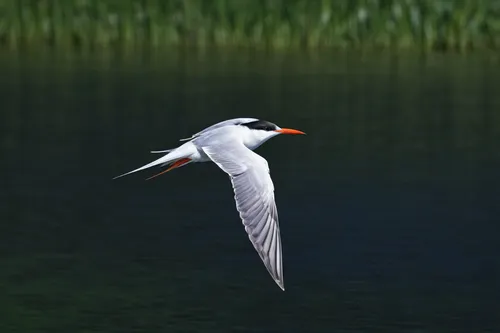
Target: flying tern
(230,145)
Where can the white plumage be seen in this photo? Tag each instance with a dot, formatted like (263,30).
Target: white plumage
(229,144)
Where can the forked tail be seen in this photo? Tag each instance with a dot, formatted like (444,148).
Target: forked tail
(173,156)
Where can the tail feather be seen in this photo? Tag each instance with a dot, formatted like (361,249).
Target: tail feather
(164,160)
(161,151)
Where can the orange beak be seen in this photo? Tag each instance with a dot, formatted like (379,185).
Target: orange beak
(289,131)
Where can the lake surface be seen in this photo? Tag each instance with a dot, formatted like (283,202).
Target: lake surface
(389,207)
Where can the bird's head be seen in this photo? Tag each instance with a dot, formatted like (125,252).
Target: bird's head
(262,130)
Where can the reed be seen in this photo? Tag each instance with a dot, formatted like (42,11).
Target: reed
(90,24)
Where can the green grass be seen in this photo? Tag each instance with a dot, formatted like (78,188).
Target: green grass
(423,24)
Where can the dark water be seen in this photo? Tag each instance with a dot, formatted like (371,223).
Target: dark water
(389,207)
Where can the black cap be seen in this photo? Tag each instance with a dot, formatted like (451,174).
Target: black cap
(261,125)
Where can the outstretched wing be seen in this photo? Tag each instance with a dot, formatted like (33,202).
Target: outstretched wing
(235,121)
(254,195)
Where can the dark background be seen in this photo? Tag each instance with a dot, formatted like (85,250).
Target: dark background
(388,207)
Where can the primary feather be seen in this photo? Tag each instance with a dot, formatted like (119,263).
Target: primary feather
(254,195)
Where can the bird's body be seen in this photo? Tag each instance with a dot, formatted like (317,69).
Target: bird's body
(230,145)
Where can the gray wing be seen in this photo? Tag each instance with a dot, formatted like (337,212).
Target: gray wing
(235,121)
(254,195)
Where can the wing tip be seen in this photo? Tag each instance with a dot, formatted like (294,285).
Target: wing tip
(280,284)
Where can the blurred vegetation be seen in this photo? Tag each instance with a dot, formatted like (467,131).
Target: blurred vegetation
(426,24)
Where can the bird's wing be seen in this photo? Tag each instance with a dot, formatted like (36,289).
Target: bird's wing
(254,195)
(235,121)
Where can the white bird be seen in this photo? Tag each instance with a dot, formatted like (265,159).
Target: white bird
(230,145)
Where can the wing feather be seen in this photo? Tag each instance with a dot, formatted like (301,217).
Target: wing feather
(235,121)
(254,196)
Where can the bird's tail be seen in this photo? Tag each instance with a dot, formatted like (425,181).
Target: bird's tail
(161,151)
(172,156)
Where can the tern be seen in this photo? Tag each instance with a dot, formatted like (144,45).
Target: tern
(230,145)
